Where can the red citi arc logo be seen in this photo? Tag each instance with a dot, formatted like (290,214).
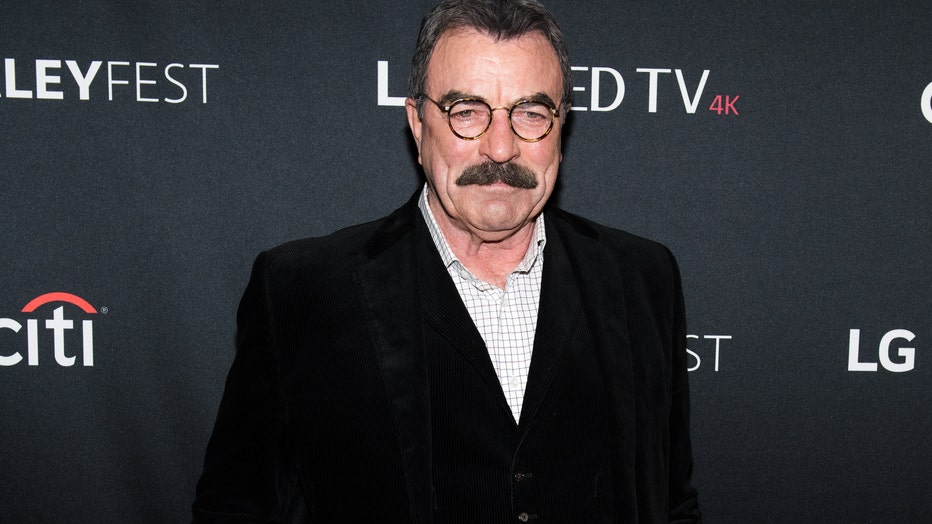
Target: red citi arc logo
(58,325)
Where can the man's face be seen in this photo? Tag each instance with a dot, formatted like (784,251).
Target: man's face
(468,63)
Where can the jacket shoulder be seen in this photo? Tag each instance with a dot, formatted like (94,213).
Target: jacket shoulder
(333,249)
(627,249)
(342,249)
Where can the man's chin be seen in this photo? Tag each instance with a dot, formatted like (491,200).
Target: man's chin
(499,220)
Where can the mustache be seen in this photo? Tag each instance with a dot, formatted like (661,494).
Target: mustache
(490,172)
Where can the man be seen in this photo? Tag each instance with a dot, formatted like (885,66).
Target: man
(470,358)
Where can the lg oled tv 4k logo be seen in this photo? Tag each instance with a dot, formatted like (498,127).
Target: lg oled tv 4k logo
(602,89)
(50,314)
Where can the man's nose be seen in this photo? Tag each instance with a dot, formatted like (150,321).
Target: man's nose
(499,144)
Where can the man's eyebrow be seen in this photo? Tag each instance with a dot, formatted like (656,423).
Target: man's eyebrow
(453,95)
(542,98)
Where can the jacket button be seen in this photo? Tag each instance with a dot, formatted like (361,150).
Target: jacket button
(524,517)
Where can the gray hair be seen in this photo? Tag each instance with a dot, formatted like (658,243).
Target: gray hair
(500,19)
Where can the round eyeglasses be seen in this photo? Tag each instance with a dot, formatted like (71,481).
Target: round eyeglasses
(470,118)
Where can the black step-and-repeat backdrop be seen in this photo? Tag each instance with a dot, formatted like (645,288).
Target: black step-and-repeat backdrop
(149,150)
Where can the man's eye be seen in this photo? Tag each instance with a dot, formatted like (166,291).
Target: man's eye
(533,115)
(469,113)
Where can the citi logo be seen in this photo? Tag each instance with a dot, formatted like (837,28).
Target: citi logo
(58,325)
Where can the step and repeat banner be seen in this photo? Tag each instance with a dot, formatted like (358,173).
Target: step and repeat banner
(149,151)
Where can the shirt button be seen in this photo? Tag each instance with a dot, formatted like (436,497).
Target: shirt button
(515,382)
(524,517)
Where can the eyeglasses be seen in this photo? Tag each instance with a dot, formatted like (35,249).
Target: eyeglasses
(470,118)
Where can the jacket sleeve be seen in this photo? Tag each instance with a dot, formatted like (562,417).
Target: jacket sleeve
(249,473)
(684,505)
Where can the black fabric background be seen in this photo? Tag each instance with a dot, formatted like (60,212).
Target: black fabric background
(805,216)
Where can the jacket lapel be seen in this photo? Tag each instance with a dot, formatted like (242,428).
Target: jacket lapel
(557,316)
(445,312)
(387,284)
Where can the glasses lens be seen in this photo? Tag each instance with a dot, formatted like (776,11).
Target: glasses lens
(469,118)
(531,120)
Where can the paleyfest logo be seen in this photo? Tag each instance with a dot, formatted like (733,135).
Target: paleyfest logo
(60,326)
(45,79)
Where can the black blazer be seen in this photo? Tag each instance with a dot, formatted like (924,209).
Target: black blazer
(326,416)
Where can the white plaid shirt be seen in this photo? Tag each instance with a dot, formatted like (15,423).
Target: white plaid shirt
(506,318)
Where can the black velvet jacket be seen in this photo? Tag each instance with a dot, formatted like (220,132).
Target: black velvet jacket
(326,418)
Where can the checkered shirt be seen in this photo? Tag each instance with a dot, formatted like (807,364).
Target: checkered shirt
(505,318)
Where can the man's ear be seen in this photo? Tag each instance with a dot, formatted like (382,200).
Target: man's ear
(415,124)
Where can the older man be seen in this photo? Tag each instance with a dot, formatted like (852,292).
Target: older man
(474,357)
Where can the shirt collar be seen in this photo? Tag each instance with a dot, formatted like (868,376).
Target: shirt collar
(535,248)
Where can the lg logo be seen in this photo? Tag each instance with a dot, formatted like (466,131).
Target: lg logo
(58,325)
(906,356)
